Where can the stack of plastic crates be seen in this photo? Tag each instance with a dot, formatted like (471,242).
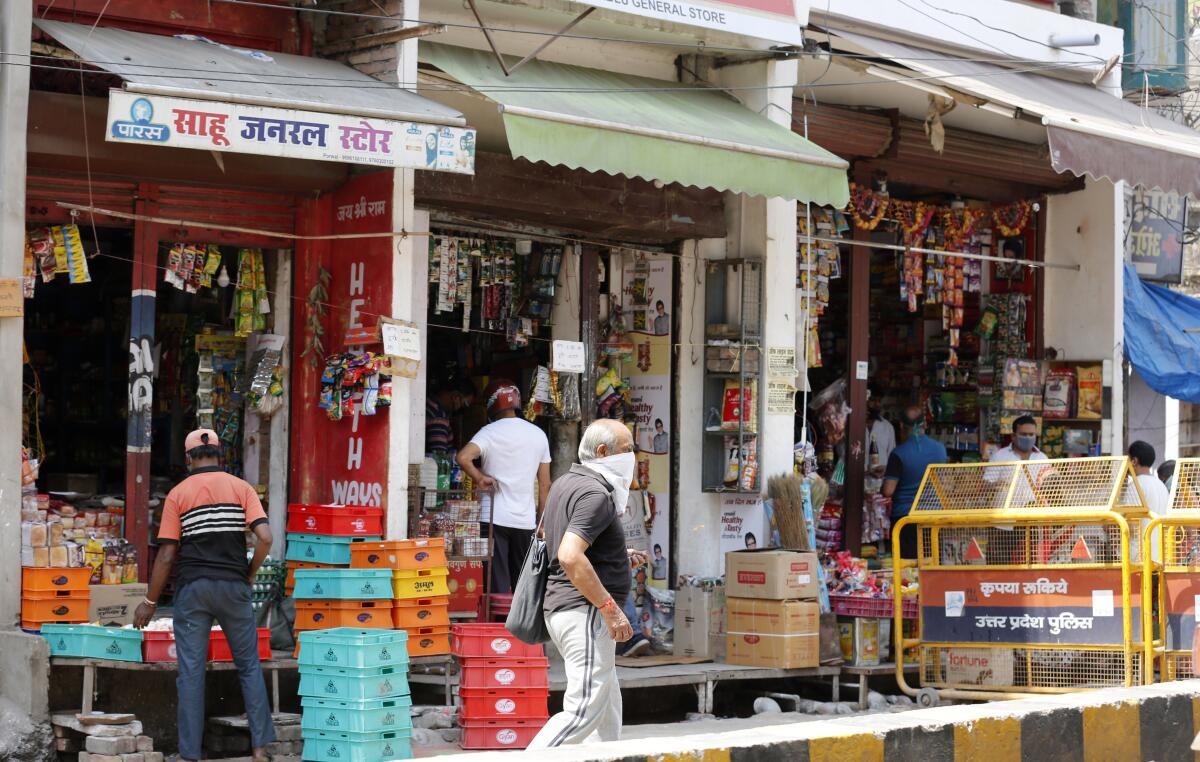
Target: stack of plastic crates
(1030,578)
(503,689)
(320,536)
(354,694)
(318,553)
(54,596)
(421,599)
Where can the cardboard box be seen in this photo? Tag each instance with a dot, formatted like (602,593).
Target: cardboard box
(771,574)
(764,617)
(777,651)
(114,605)
(700,623)
(979,666)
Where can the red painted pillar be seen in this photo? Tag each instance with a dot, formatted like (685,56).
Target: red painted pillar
(139,435)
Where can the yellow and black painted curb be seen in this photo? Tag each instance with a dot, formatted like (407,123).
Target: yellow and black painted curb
(1152,723)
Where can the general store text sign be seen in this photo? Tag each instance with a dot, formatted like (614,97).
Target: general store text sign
(287,133)
(772,20)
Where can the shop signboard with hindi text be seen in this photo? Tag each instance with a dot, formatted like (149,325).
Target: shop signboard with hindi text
(1059,606)
(1183,610)
(1155,226)
(779,21)
(287,133)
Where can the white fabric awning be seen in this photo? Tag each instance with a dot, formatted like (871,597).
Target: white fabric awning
(1090,131)
(193,67)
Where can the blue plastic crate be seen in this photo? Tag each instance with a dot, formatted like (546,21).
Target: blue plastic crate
(354,648)
(356,747)
(322,549)
(343,584)
(323,715)
(88,641)
(353,684)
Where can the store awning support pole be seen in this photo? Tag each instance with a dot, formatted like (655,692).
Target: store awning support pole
(15,32)
(140,426)
(958,254)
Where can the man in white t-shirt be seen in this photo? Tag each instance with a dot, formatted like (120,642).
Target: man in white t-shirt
(1154,492)
(514,458)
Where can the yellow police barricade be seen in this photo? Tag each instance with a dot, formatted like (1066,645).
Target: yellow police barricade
(1171,577)
(1028,580)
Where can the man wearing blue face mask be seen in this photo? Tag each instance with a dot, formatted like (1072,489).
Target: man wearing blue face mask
(905,469)
(1024,443)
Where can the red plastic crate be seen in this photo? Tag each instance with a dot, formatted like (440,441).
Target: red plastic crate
(875,608)
(491,641)
(499,734)
(498,704)
(218,646)
(159,646)
(338,521)
(505,673)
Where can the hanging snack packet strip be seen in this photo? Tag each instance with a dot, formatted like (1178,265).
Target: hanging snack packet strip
(77,265)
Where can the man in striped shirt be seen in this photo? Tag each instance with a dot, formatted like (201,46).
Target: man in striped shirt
(203,535)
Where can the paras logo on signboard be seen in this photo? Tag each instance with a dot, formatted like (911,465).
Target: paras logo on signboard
(141,127)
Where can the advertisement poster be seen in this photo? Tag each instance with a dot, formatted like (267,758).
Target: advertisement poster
(743,524)
(1054,606)
(646,304)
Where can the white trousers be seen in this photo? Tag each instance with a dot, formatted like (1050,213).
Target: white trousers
(592,702)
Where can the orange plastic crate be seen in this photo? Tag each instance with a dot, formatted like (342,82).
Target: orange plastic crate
(55,582)
(323,615)
(420,612)
(428,641)
(66,609)
(409,555)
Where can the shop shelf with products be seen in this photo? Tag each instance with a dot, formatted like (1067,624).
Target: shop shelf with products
(732,366)
(1075,408)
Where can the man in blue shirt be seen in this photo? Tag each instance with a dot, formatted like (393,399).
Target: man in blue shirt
(905,470)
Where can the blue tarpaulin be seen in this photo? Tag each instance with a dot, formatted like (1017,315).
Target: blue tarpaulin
(1155,343)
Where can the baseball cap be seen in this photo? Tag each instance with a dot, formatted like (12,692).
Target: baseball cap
(199,438)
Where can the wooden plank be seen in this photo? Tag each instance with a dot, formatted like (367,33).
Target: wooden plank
(858,331)
(105,718)
(877,669)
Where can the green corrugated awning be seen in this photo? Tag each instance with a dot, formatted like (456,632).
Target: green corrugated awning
(605,122)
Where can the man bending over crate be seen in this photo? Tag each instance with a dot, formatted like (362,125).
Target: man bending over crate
(203,533)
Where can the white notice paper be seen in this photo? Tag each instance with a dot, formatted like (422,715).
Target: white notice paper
(1102,603)
(401,339)
(956,601)
(569,356)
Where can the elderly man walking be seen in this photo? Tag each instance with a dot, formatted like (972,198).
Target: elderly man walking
(589,582)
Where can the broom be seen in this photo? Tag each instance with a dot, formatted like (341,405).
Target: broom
(784,491)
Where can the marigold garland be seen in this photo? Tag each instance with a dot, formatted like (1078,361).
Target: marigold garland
(1012,220)
(958,225)
(914,217)
(867,208)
